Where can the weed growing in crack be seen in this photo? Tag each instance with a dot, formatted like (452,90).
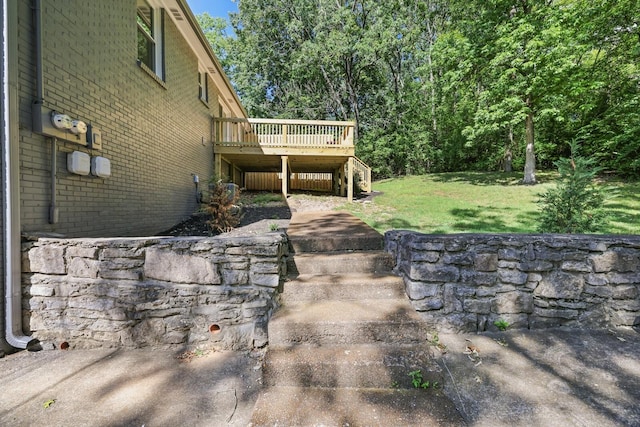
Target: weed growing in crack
(418,381)
(501,324)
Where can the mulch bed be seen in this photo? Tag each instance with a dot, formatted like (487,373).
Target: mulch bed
(196,225)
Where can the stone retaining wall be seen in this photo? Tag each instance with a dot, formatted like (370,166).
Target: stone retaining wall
(466,282)
(162,292)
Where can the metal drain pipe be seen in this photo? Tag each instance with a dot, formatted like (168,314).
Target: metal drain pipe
(11,177)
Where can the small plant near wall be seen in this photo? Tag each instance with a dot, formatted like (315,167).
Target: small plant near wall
(501,324)
(435,341)
(223,206)
(417,380)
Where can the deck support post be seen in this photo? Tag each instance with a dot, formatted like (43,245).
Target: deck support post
(350,180)
(342,180)
(217,166)
(285,175)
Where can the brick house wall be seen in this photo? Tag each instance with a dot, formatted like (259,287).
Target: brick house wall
(155,135)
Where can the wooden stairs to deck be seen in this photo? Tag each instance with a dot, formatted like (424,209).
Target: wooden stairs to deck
(345,339)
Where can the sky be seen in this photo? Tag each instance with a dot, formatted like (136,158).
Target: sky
(213,7)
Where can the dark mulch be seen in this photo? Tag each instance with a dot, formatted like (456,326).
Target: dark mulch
(196,225)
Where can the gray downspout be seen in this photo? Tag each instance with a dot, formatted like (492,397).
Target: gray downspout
(37,28)
(39,101)
(14,334)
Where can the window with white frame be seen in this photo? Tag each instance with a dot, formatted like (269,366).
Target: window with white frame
(150,38)
(203,87)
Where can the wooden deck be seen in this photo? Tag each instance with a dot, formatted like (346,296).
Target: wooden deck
(287,146)
(283,137)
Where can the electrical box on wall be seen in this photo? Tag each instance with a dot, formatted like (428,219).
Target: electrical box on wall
(79,163)
(58,125)
(94,138)
(100,167)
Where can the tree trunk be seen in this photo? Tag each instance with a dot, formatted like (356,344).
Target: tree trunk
(530,154)
(432,81)
(507,161)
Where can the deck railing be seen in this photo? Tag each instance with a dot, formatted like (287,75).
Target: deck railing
(282,133)
(362,170)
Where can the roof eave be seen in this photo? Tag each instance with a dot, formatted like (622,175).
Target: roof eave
(193,34)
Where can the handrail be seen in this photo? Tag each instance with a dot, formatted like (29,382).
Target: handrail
(282,133)
(364,171)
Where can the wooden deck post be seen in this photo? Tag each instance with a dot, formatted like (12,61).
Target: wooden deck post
(217,166)
(285,175)
(350,180)
(342,180)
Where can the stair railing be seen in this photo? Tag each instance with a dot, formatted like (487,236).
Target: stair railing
(364,172)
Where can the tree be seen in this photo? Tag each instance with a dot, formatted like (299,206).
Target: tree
(609,105)
(526,56)
(215,30)
(575,205)
(284,68)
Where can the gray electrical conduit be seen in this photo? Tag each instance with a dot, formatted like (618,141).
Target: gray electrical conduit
(14,334)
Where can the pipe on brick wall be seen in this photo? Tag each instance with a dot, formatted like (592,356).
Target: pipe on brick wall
(14,334)
(37,33)
(37,47)
(53,208)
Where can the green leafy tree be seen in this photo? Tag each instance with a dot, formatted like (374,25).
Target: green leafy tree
(215,30)
(575,205)
(526,56)
(608,104)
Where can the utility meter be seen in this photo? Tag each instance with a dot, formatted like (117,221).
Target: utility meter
(78,127)
(61,121)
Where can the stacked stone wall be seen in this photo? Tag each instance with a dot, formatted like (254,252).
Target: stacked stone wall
(153,292)
(468,282)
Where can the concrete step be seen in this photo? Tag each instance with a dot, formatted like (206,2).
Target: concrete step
(305,406)
(335,322)
(332,243)
(343,287)
(340,263)
(331,231)
(343,342)
(354,366)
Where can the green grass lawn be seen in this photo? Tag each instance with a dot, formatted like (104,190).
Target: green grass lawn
(468,202)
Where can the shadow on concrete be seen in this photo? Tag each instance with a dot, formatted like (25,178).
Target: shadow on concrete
(355,373)
(545,377)
(127,387)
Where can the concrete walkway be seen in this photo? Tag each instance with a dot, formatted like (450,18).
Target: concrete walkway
(515,378)
(545,377)
(540,378)
(101,388)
